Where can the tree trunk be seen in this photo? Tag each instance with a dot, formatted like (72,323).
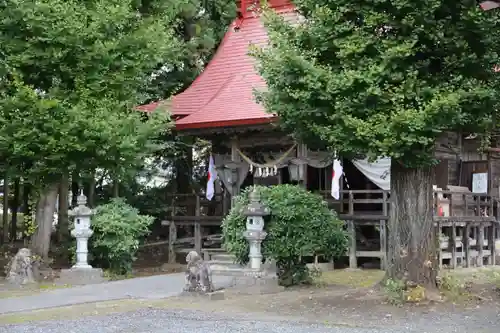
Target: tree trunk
(62,218)
(45,210)
(5,216)
(26,204)
(91,198)
(116,188)
(15,209)
(411,244)
(75,187)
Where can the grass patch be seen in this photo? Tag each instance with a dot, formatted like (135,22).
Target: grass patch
(96,309)
(350,278)
(455,289)
(72,312)
(30,290)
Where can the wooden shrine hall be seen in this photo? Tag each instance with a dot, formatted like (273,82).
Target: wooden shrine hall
(248,149)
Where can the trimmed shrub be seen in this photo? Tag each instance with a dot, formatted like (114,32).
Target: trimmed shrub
(118,229)
(300,225)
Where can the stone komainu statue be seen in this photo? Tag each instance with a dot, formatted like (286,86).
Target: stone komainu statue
(198,274)
(20,269)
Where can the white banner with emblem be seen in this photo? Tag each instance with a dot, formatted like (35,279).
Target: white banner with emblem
(379,171)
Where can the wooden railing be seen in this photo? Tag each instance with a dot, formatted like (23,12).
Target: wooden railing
(360,209)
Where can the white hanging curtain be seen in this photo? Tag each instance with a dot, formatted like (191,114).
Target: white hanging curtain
(379,172)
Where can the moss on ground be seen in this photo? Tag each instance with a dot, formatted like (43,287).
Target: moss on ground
(353,278)
(96,309)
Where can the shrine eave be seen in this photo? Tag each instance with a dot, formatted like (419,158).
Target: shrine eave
(225,123)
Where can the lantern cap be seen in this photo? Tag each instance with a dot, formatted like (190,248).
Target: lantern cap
(255,207)
(82,199)
(81,209)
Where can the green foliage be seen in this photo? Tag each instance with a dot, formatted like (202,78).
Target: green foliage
(454,288)
(118,229)
(70,77)
(199,27)
(300,225)
(383,78)
(395,291)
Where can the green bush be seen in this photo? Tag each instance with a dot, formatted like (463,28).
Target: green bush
(300,225)
(118,229)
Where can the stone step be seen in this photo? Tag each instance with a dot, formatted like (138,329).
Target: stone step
(227,270)
(223,257)
(226,264)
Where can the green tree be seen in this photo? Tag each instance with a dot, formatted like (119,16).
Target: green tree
(71,73)
(387,78)
(199,26)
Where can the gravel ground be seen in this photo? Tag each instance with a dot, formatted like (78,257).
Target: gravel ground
(179,321)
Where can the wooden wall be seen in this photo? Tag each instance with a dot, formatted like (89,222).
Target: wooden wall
(459,157)
(448,155)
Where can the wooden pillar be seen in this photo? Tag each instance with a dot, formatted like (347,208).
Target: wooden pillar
(480,246)
(172,236)
(301,154)
(440,251)
(236,162)
(453,244)
(351,229)
(383,235)
(492,241)
(197,228)
(466,244)
(225,206)
(491,244)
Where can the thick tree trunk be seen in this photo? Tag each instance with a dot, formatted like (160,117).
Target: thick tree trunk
(411,244)
(15,209)
(5,216)
(62,218)
(45,210)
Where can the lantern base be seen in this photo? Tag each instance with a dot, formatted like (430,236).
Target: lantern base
(249,281)
(81,276)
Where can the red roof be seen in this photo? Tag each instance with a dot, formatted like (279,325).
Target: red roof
(488,5)
(223,94)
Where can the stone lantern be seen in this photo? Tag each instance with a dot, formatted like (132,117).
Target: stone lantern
(81,272)
(255,233)
(81,231)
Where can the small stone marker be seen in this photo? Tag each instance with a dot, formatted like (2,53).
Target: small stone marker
(81,272)
(21,268)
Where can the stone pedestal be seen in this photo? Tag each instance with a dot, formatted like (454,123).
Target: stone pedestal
(81,276)
(256,284)
(217,295)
